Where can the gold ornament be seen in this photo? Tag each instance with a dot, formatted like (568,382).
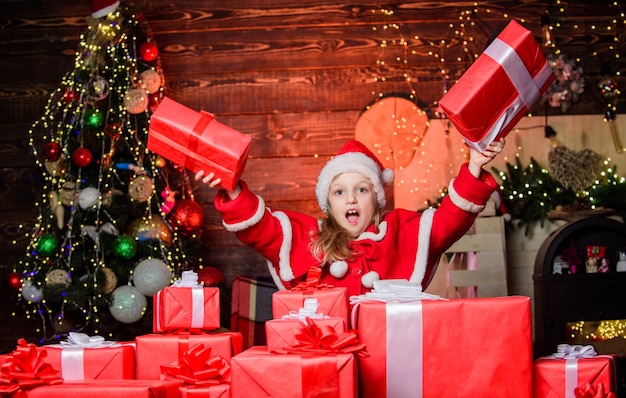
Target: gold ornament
(108,282)
(136,100)
(68,193)
(151,228)
(58,278)
(57,208)
(55,168)
(151,81)
(141,188)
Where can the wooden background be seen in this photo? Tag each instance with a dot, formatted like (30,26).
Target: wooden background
(295,75)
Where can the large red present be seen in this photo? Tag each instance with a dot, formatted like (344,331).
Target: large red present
(103,360)
(216,391)
(186,306)
(198,142)
(479,347)
(251,307)
(258,373)
(558,378)
(332,301)
(156,350)
(499,88)
(105,389)
(281,333)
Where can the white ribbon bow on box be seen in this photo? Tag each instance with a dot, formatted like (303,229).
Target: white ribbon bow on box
(187,279)
(309,310)
(387,290)
(82,340)
(566,351)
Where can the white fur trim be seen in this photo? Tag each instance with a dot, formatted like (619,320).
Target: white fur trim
(339,269)
(284,263)
(423,246)
(461,202)
(376,237)
(105,11)
(256,217)
(279,284)
(351,162)
(369,278)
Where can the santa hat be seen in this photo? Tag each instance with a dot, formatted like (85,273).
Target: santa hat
(100,8)
(353,157)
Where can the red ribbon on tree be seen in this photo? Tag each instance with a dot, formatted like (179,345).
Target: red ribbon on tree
(26,368)
(592,392)
(313,339)
(198,368)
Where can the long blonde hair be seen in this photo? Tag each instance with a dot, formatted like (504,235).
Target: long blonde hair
(331,244)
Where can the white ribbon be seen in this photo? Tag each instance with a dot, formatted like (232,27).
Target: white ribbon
(309,310)
(188,279)
(388,290)
(83,340)
(527,87)
(73,353)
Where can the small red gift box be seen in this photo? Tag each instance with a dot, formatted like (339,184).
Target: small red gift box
(281,332)
(105,389)
(154,350)
(499,88)
(186,308)
(332,301)
(480,347)
(198,142)
(79,363)
(554,378)
(217,391)
(258,373)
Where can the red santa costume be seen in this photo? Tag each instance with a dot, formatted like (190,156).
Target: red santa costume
(407,244)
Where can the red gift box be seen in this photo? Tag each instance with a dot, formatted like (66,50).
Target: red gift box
(154,350)
(332,301)
(186,308)
(554,378)
(499,88)
(217,391)
(105,389)
(258,373)
(281,332)
(480,347)
(251,307)
(83,363)
(198,142)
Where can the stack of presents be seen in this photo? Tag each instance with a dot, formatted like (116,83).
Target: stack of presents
(395,341)
(314,340)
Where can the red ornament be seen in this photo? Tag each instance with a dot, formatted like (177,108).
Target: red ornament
(210,276)
(187,216)
(53,151)
(81,157)
(14,280)
(149,51)
(154,100)
(69,95)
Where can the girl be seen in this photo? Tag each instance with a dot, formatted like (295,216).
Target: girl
(356,244)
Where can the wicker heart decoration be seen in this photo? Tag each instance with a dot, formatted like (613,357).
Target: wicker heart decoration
(575,170)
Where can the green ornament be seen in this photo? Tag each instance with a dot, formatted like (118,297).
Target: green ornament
(47,244)
(125,247)
(93,118)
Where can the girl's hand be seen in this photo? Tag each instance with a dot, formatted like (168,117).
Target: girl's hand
(210,180)
(478,160)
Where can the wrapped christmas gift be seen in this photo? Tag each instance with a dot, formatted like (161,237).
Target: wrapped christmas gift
(332,301)
(251,307)
(156,350)
(216,391)
(499,88)
(573,368)
(84,357)
(257,372)
(186,305)
(282,332)
(477,347)
(197,141)
(105,389)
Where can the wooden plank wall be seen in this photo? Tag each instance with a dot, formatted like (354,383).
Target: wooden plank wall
(295,75)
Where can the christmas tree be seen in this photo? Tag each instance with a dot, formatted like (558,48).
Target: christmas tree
(116,222)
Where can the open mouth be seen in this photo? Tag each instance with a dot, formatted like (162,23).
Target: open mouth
(352,216)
